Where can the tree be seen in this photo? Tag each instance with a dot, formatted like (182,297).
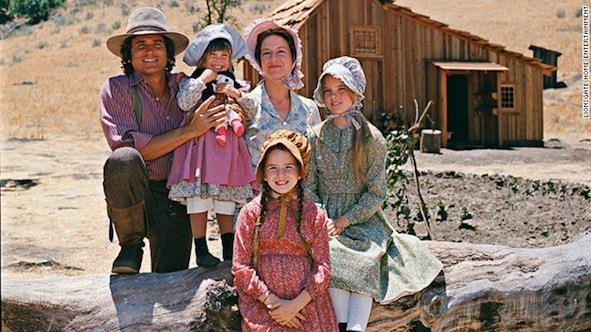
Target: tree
(5,15)
(218,12)
(35,10)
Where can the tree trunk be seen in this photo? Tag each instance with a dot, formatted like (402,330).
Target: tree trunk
(482,287)
(430,140)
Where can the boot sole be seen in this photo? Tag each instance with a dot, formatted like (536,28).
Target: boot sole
(124,270)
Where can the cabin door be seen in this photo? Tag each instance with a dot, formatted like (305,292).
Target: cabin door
(457,110)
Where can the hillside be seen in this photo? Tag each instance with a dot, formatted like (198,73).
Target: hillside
(51,73)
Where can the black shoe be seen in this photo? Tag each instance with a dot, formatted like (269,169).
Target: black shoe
(129,260)
(207,260)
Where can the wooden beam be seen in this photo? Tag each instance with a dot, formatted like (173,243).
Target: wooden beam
(443,106)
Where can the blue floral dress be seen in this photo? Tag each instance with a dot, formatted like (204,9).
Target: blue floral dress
(369,257)
(302,116)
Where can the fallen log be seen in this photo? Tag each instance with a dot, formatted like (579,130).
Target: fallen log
(482,287)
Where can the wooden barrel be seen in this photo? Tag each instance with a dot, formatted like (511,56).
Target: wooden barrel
(430,140)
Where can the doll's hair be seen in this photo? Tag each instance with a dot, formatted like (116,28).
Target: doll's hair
(126,55)
(265,194)
(218,44)
(277,32)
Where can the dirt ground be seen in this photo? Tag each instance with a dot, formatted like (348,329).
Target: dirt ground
(54,222)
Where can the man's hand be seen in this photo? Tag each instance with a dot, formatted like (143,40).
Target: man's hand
(204,118)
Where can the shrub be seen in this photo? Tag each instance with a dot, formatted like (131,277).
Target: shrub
(35,10)
(16,58)
(96,42)
(124,9)
(5,15)
(116,25)
(560,13)
(89,16)
(191,7)
(102,28)
(42,45)
(173,4)
(84,29)
(579,12)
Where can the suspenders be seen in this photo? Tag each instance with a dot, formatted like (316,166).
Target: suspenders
(137,104)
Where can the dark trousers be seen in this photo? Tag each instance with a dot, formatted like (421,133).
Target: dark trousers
(126,184)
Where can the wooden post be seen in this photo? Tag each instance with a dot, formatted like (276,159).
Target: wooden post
(443,106)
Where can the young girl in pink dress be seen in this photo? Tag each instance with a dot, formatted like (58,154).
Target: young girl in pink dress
(281,260)
(206,175)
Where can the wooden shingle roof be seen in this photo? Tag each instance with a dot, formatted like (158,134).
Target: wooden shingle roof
(294,13)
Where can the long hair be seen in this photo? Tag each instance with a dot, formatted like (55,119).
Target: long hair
(360,138)
(126,55)
(277,32)
(265,194)
(359,142)
(218,44)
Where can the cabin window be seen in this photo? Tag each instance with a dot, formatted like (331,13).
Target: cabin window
(365,41)
(507,96)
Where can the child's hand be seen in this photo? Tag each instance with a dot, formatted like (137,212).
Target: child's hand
(228,90)
(337,226)
(296,322)
(284,311)
(208,75)
(331,227)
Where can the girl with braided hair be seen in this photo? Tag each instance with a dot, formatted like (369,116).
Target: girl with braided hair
(281,261)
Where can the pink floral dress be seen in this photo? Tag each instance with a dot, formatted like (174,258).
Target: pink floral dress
(284,265)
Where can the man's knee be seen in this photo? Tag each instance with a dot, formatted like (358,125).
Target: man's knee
(125,177)
(124,162)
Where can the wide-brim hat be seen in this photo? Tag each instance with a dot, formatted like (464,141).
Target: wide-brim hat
(347,70)
(297,144)
(211,32)
(147,21)
(294,79)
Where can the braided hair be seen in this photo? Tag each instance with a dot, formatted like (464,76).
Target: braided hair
(265,193)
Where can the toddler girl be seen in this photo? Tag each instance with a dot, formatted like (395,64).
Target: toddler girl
(212,172)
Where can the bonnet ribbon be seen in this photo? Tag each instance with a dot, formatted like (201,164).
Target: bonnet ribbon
(284,201)
(350,115)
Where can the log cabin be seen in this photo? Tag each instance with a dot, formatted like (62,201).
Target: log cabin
(483,94)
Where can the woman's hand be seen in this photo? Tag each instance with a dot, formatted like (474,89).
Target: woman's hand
(204,118)
(228,90)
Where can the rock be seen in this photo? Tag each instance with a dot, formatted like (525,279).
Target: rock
(482,287)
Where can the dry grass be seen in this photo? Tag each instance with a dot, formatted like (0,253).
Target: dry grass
(67,73)
(517,25)
(67,68)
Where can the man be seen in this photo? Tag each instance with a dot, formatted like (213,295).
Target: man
(143,125)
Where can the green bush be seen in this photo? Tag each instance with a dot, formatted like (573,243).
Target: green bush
(5,15)
(35,10)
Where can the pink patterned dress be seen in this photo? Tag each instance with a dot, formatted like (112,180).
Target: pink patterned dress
(284,266)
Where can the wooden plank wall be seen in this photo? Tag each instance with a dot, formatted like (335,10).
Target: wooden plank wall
(404,72)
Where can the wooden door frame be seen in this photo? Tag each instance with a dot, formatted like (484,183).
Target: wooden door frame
(443,74)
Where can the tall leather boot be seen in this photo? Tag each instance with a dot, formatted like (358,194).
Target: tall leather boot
(131,229)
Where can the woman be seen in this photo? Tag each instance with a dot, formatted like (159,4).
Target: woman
(275,51)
